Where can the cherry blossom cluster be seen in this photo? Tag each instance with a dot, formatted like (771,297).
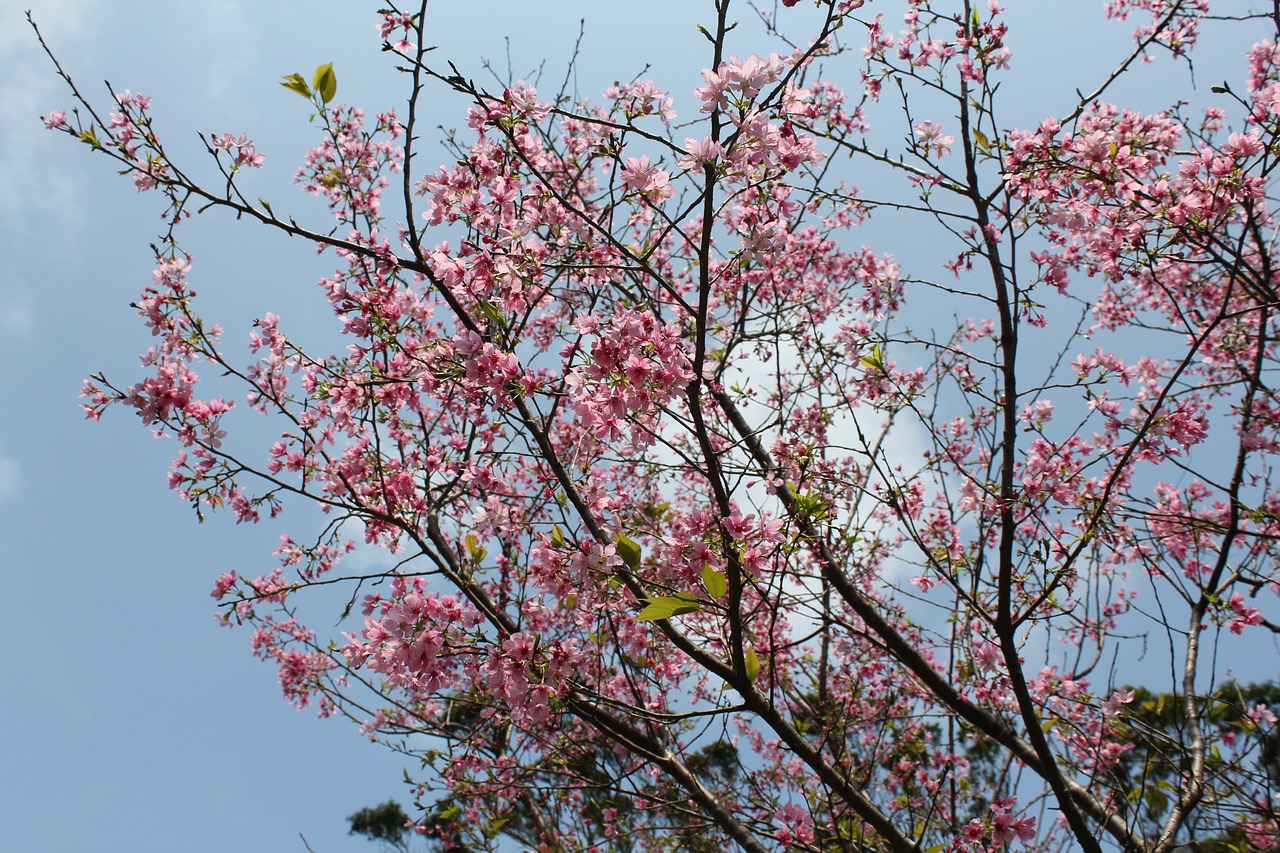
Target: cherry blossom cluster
(347,169)
(240,147)
(635,367)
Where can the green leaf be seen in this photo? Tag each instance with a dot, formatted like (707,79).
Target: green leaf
(325,82)
(557,537)
(751,661)
(656,510)
(714,582)
(981,138)
(875,361)
(295,83)
(91,137)
(495,316)
(629,551)
(475,550)
(666,606)
(1156,801)
(811,506)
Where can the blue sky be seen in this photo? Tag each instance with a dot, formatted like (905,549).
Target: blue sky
(130,721)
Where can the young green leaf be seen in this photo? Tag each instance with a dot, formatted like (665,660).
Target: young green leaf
(325,82)
(656,511)
(495,316)
(666,606)
(629,551)
(714,582)
(557,537)
(295,83)
(752,663)
(811,506)
(874,361)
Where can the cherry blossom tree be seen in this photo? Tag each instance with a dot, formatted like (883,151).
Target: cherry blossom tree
(707,525)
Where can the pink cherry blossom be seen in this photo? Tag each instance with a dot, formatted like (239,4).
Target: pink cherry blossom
(931,139)
(646,179)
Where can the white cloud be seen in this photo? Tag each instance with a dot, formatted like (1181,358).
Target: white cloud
(30,88)
(220,23)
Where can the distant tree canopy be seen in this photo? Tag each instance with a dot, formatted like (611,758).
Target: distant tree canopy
(1145,780)
(386,824)
(1149,774)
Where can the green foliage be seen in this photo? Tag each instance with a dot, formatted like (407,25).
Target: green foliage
(605,781)
(875,360)
(324,84)
(384,823)
(666,606)
(629,551)
(714,582)
(295,83)
(810,505)
(1148,777)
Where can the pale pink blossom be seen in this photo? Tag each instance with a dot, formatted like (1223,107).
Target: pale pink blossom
(646,179)
(931,139)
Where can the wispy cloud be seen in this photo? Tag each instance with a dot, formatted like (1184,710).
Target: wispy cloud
(17,314)
(11,485)
(28,89)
